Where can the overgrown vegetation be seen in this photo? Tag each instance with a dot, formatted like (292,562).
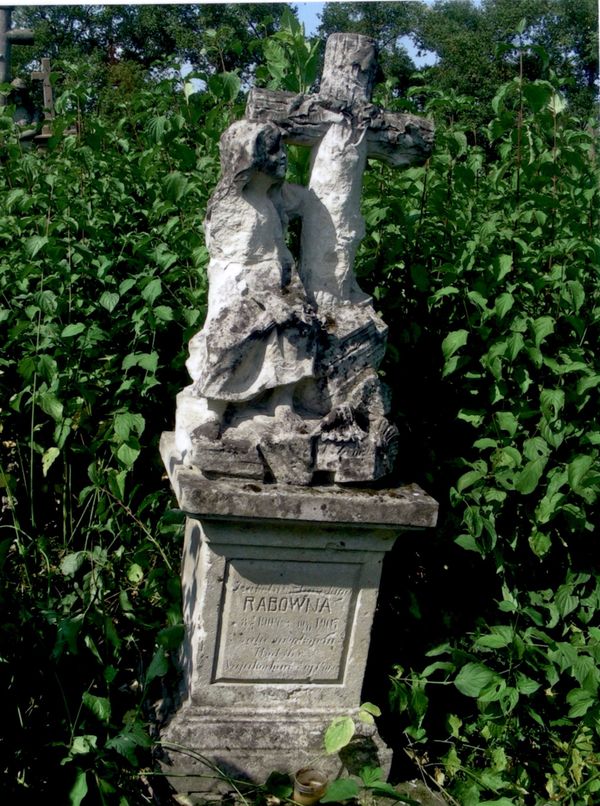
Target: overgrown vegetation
(485,264)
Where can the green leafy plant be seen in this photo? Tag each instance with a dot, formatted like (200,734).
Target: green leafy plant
(102,282)
(490,253)
(338,736)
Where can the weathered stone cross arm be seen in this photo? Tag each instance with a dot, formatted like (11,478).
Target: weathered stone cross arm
(43,75)
(350,70)
(20,36)
(398,139)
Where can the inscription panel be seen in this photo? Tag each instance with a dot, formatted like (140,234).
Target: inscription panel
(285,621)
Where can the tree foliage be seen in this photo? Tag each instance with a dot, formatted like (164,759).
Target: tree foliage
(103,282)
(490,258)
(475,45)
(211,38)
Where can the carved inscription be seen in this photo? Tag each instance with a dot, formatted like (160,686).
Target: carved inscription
(285,621)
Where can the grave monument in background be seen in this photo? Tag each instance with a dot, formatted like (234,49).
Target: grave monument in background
(282,561)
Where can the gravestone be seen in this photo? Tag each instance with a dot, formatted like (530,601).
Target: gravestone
(43,75)
(281,438)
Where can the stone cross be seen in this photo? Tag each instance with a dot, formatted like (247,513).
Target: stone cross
(8,37)
(285,368)
(43,75)
(284,415)
(349,74)
(344,128)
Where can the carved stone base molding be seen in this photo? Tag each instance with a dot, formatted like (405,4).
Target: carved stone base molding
(280,584)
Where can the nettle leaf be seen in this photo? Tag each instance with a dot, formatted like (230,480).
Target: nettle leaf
(159,665)
(526,685)
(15,196)
(585,384)
(566,602)
(176,186)
(109,300)
(51,405)
(542,327)
(152,291)
(502,266)
(338,734)
(514,345)
(127,454)
(171,637)
(552,402)
(474,678)
(82,745)
(135,573)
(538,94)
(578,469)
(574,294)
(453,342)
(34,244)
(507,422)
(148,361)
(370,775)
(498,637)
(484,443)
(49,458)
(126,285)
(340,790)
(528,479)
(79,789)
(503,304)
(447,291)
(469,479)
(225,86)
(73,330)
(116,483)
(581,701)
(72,562)
(468,543)
(540,543)
(164,313)
(99,706)
(535,448)
(128,740)
(370,708)
(475,418)
(67,634)
(126,422)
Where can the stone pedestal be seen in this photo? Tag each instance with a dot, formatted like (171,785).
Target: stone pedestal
(280,586)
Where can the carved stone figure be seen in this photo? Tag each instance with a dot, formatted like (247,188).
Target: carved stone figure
(280,580)
(260,331)
(285,385)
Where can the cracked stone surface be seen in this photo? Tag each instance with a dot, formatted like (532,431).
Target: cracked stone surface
(284,384)
(279,437)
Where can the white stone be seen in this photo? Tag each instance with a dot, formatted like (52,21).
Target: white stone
(281,563)
(284,370)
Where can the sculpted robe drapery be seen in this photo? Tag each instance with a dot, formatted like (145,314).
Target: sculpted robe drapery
(259,332)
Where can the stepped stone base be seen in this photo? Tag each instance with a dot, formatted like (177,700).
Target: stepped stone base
(280,586)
